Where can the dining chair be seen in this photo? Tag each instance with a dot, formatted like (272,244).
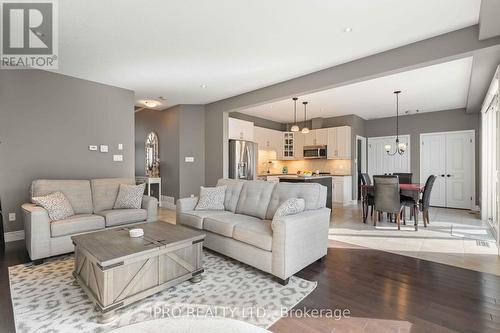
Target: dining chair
(387,198)
(404,177)
(424,203)
(368,198)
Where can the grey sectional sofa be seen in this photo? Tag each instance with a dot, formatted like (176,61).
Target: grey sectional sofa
(92,201)
(245,230)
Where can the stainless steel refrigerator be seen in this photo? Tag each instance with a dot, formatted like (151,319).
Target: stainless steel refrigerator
(242,159)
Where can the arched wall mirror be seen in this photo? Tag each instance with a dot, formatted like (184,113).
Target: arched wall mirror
(152,155)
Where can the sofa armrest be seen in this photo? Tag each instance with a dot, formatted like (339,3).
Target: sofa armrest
(36,231)
(299,240)
(150,204)
(186,204)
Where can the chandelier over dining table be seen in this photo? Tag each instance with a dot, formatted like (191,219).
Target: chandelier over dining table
(400,147)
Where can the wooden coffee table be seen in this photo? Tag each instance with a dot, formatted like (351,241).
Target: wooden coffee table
(115,270)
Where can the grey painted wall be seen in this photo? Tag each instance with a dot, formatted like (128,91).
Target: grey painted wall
(260,122)
(181,133)
(47,122)
(192,144)
(414,125)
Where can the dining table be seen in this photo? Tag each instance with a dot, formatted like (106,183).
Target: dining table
(409,190)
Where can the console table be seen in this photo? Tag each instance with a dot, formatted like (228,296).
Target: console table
(149,181)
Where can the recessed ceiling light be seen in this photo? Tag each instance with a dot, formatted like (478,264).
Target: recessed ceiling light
(203,86)
(348,29)
(150,103)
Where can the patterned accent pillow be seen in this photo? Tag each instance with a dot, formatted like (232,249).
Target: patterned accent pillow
(56,204)
(211,198)
(289,207)
(130,196)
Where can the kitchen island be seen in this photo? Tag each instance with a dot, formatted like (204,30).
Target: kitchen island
(325,180)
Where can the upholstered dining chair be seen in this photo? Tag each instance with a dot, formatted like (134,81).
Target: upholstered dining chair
(387,198)
(424,203)
(369,198)
(404,177)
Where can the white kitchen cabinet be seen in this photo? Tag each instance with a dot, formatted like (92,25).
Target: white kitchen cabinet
(299,145)
(288,145)
(310,138)
(241,129)
(267,138)
(339,143)
(321,136)
(342,190)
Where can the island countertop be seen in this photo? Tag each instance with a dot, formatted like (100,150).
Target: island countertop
(305,178)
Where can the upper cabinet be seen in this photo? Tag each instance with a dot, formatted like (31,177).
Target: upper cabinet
(241,129)
(269,139)
(339,143)
(316,137)
(299,145)
(289,146)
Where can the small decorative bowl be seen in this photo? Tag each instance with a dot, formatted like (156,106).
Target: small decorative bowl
(134,233)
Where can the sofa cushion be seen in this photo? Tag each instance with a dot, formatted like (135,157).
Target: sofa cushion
(254,198)
(233,191)
(76,224)
(77,191)
(123,216)
(257,233)
(195,218)
(312,193)
(224,224)
(105,192)
(289,207)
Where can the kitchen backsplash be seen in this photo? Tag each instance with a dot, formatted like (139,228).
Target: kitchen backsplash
(336,167)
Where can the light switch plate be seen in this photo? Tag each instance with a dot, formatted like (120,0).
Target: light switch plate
(12,217)
(118,158)
(104,148)
(92,148)
(120,146)
(189,159)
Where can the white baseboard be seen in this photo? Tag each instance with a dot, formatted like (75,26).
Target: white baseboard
(167,202)
(13,236)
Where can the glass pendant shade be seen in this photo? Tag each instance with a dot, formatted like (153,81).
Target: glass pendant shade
(305,130)
(387,148)
(295,128)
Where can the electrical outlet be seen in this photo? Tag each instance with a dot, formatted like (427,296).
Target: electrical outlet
(12,217)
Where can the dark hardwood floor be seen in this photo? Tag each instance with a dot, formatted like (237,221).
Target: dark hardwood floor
(384,292)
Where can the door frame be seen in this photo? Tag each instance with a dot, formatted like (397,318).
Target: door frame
(364,161)
(473,205)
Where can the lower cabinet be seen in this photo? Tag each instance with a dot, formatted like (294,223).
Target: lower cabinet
(342,190)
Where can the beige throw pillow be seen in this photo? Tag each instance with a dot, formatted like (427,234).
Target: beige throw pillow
(56,204)
(289,207)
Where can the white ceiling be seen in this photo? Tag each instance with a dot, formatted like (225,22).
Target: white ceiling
(433,88)
(171,48)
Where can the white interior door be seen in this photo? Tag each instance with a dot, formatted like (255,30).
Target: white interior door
(379,162)
(450,157)
(433,162)
(459,170)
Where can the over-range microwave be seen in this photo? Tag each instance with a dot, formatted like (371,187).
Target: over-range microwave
(315,151)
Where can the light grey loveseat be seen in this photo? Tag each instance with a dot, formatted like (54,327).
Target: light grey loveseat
(245,230)
(92,202)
